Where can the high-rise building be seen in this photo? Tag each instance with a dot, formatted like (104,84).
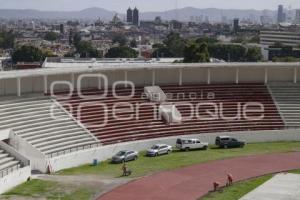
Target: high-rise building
(129,15)
(136,17)
(236,25)
(71,36)
(62,28)
(297,19)
(280,14)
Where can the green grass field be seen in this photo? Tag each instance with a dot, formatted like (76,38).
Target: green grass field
(145,165)
(40,189)
(238,190)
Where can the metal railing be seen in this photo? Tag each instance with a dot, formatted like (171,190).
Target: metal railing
(73,149)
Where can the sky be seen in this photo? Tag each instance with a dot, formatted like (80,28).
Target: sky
(145,5)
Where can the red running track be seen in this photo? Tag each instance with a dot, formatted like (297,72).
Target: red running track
(192,182)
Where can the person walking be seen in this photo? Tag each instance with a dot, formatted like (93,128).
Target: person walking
(229,179)
(124,168)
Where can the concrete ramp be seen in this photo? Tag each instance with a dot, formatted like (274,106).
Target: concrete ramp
(170,113)
(155,93)
(280,187)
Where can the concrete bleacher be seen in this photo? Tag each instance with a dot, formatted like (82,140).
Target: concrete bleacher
(44,124)
(148,127)
(287,98)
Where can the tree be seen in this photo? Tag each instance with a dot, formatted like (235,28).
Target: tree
(175,44)
(51,36)
(239,39)
(255,39)
(253,54)
(28,54)
(207,40)
(227,52)
(76,39)
(133,43)
(162,52)
(121,52)
(158,45)
(119,39)
(285,59)
(48,53)
(195,53)
(69,54)
(86,50)
(7,40)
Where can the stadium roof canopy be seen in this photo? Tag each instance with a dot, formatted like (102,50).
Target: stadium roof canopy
(77,68)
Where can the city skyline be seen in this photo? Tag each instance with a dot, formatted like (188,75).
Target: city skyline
(144,5)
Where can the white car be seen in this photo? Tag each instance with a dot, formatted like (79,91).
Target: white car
(188,144)
(159,149)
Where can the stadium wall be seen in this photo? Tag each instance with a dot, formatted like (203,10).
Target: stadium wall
(105,152)
(15,178)
(19,175)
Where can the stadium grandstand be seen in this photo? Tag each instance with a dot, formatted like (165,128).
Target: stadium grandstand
(55,118)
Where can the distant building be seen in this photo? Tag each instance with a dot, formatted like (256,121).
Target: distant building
(236,25)
(206,19)
(280,14)
(28,65)
(281,52)
(62,28)
(224,19)
(297,18)
(158,20)
(286,38)
(71,36)
(130,15)
(175,25)
(266,20)
(271,38)
(136,17)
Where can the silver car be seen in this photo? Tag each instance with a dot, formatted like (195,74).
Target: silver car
(159,149)
(124,156)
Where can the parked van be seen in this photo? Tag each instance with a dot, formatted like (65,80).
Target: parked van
(188,144)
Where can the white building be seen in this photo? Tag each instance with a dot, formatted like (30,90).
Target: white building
(288,38)
(2,59)
(270,37)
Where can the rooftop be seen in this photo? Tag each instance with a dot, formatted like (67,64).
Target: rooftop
(78,68)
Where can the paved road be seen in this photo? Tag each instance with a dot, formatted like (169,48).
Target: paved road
(192,182)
